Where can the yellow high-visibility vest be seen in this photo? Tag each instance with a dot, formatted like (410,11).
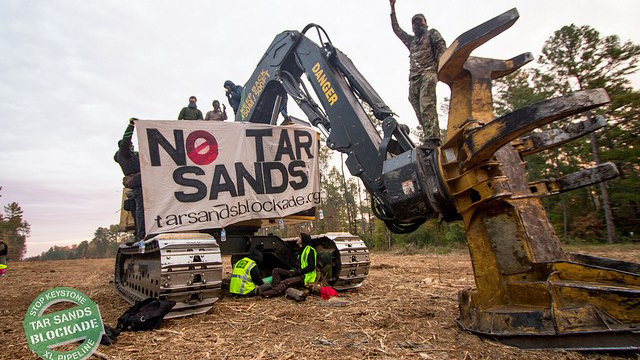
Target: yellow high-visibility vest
(304,257)
(241,277)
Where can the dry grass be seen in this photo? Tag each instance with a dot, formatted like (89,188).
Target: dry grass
(404,310)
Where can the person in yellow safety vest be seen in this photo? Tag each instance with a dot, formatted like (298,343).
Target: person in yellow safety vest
(305,274)
(4,250)
(246,278)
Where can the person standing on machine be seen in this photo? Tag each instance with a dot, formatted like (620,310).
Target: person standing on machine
(425,48)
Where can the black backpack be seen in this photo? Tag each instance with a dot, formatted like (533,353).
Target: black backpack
(145,315)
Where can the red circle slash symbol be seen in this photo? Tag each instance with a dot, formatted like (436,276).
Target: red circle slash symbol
(204,153)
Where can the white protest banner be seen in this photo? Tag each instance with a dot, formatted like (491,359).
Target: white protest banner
(209,174)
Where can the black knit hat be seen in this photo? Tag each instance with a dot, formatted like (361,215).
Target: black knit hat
(306,238)
(419,16)
(256,255)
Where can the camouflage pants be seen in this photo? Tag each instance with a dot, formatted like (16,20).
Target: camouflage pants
(422,96)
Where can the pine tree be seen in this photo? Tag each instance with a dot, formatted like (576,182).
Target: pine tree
(15,230)
(578,58)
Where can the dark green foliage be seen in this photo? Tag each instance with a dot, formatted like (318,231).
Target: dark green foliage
(431,233)
(14,229)
(576,58)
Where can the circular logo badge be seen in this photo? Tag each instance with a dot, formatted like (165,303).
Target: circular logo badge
(205,151)
(79,323)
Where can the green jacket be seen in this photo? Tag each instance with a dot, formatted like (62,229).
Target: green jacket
(188,113)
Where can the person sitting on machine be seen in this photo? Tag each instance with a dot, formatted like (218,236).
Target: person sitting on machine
(305,274)
(245,278)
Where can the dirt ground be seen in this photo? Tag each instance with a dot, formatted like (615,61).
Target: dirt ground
(404,310)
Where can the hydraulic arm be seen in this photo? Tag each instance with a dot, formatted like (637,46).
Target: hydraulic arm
(402,187)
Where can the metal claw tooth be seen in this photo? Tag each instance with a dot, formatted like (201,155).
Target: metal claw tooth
(586,177)
(482,68)
(576,180)
(454,57)
(512,65)
(536,142)
(481,143)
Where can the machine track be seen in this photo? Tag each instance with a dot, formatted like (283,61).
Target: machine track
(350,260)
(181,267)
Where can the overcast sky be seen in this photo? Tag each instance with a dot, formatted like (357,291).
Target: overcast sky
(73,72)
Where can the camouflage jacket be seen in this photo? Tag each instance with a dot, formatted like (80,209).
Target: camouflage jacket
(424,51)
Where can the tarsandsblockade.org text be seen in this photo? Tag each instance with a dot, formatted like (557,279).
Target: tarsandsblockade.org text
(225,211)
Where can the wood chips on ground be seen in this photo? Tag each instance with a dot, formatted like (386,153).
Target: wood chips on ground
(404,310)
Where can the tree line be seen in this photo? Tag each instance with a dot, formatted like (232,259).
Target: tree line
(103,245)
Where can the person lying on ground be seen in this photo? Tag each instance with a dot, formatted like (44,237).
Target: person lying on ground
(305,274)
